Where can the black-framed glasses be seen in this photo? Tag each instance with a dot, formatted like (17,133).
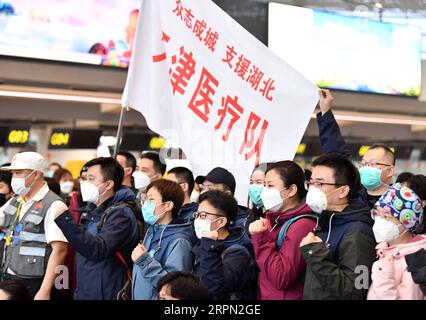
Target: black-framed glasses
(203,214)
(373,164)
(319,185)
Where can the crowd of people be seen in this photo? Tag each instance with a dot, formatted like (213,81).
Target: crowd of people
(127,229)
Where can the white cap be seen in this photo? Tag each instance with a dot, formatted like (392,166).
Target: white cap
(27,160)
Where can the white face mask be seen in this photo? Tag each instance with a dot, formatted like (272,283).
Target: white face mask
(18,185)
(385,230)
(66,187)
(194,196)
(89,192)
(141,180)
(316,200)
(202,225)
(271,199)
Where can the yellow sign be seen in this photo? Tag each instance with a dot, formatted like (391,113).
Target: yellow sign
(18,136)
(59,139)
(157,143)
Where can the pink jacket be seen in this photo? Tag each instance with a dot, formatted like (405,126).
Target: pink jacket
(391,280)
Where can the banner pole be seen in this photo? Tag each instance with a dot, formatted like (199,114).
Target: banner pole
(119,132)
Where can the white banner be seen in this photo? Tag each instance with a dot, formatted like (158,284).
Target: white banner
(204,82)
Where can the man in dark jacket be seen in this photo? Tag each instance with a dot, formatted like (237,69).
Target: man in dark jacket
(184,177)
(223,180)
(108,228)
(340,254)
(224,256)
(377,166)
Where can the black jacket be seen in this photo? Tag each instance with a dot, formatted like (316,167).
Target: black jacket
(416,263)
(348,248)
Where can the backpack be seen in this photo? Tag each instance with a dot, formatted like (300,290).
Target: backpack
(286,226)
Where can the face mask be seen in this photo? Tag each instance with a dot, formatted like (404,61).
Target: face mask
(18,185)
(141,180)
(2,199)
(370,177)
(89,192)
(202,225)
(50,173)
(271,199)
(385,230)
(255,191)
(66,187)
(316,200)
(148,210)
(194,196)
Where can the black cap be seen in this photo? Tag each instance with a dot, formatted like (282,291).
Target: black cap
(219,175)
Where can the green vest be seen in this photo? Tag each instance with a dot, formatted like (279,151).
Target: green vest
(29,257)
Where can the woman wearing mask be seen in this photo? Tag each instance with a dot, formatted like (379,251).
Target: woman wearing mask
(168,241)
(6,191)
(397,219)
(278,256)
(257,183)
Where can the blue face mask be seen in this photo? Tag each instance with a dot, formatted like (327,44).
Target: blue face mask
(254,193)
(148,209)
(370,177)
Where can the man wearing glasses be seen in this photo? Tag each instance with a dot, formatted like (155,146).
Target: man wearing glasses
(377,166)
(222,258)
(343,240)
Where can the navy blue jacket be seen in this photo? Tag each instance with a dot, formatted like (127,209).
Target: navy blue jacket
(242,218)
(187,210)
(227,267)
(333,265)
(100,274)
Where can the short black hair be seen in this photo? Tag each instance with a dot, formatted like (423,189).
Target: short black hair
(291,173)
(53,185)
(184,175)
(417,183)
(344,171)
(184,286)
(16,290)
(6,176)
(110,170)
(388,152)
(157,159)
(222,201)
(404,177)
(55,164)
(130,159)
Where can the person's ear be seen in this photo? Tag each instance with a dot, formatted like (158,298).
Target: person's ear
(184,186)
(222,222)
(128,171)
(168,206)
(293,191)
(110,185)
(424,204)
(344,192)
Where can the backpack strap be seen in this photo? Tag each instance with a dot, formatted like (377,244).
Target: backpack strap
(129,273)
(286,226)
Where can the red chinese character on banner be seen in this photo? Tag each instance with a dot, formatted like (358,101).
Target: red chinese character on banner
(249,137)
(242,66)
(179,9)
(254,77)
(188,18)
(162,56)
(199,28)
(205,89)
(183,71)
(230,55)
(268,86)
(232,107)
(211,39)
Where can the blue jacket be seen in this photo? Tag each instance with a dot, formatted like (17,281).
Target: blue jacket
(169,249)
(187,210)
(227,267)
(100,274)
(242,217)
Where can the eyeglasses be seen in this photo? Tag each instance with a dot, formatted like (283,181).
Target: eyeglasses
(203,214)
(319,185)
(373,164)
